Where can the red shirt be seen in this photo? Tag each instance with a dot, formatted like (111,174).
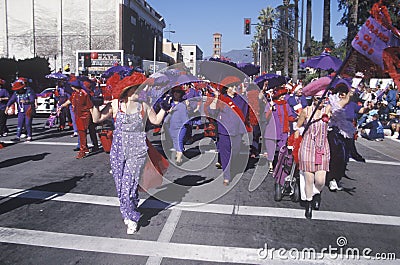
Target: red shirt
(81,103)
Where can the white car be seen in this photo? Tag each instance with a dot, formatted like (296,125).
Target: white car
(45,101)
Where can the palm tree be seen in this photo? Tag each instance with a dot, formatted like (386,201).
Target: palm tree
(326,28)
(267,18)
(254,49)
(286,39)
(307,45)
(295,43)
(353,17)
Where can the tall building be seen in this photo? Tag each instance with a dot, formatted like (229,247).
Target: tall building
(191,54)
(173,52)
(57,29)
(217,42)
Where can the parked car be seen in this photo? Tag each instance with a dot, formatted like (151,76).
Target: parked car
(45,101)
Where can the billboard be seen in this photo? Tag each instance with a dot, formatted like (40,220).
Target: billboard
(97,62)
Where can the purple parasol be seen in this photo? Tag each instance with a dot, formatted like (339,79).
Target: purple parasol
(123,71)
(274,80)
(248,68)
(325,61)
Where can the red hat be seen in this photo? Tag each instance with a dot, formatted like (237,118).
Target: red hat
(19,84)
(230,80)
(135,79)
(279,92)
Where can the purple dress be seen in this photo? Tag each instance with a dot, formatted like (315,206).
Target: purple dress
(127,157)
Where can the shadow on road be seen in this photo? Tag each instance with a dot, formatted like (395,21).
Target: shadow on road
(40,194)
(22,159)
(170,194)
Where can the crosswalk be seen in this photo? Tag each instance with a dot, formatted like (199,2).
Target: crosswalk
(163,248)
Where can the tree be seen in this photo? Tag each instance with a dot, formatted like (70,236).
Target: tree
(264,36)
(296,45)
(286,39)
(307,45)
(326,28)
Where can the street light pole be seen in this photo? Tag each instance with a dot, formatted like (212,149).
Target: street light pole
(154,53)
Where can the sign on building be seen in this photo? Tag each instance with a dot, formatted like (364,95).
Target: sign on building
(97,62)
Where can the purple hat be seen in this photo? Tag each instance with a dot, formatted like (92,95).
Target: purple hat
(76,83)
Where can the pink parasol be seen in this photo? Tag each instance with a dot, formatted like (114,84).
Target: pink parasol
(316,86)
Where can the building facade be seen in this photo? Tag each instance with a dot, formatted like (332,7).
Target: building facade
(217,43)
(191,55)
(172,52)
(56,29)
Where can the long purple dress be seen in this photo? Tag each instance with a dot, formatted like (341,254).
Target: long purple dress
(127,157)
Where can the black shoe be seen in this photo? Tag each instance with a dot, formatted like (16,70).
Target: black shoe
(76,149)
(359,158)
(308,208)
(316,201)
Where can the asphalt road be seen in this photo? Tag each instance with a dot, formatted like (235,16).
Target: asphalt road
(55,209)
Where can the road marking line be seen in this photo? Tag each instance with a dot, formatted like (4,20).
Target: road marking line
(206,208)
(166,234)
(160,249)
(40,143)
(368,161)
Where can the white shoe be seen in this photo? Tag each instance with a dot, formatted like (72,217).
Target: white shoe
(395,135)
(333,185)
(23,135)
(132,227)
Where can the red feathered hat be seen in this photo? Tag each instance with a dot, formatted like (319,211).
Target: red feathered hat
(279,92)
(135,79)
(19,84)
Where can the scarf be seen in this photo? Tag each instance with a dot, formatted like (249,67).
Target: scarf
(283,117)
(227,100)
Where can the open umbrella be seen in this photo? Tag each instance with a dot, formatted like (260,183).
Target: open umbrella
(215,71)
(316,86)
(123,71)
(274,80)
(57,76)
(248,68)
(325,61)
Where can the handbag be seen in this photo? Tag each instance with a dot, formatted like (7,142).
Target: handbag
(154,168)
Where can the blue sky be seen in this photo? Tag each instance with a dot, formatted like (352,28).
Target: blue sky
(194,21)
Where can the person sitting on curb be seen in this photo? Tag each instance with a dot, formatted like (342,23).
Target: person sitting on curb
(375,128)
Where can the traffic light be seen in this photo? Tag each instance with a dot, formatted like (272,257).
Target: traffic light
(247,26)
(87,61)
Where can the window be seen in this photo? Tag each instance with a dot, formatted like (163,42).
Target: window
(191,53)
(133,20)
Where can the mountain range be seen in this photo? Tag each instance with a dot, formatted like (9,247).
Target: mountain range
(237,56)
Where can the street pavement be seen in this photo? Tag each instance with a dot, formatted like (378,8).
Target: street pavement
(55,209)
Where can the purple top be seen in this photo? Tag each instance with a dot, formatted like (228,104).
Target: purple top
(3,94)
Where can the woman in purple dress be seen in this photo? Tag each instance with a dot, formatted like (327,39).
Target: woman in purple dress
(129,148)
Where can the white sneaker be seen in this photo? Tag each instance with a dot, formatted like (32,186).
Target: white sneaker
(132,227)
(23,135)
(395,135)
(333,185)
